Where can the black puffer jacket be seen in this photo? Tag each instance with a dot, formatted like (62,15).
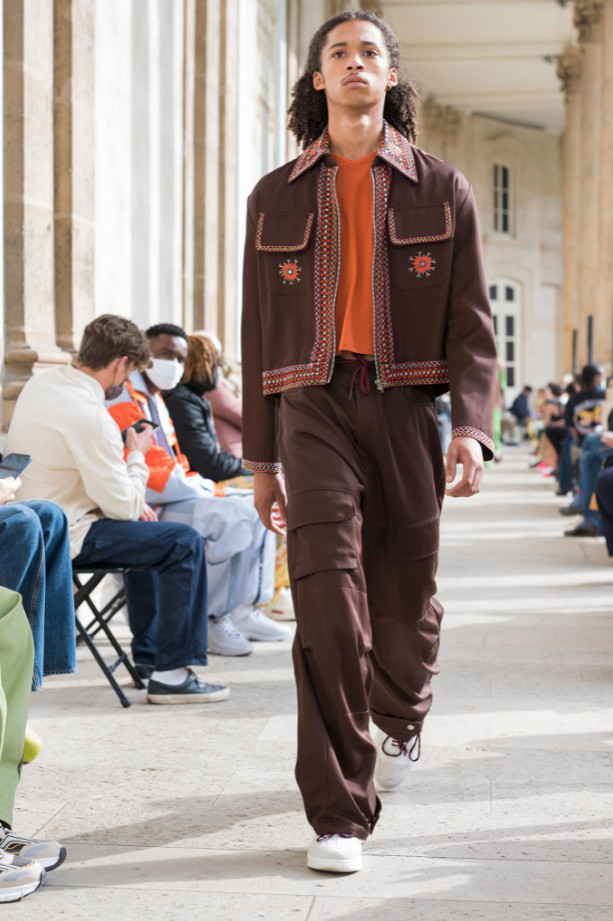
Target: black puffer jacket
(192,417)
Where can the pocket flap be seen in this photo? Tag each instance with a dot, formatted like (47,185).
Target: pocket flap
(318,506)
(424,224)
(283,231)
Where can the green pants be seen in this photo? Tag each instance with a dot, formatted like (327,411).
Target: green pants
(16,663)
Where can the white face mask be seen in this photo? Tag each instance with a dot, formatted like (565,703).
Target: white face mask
(164,373)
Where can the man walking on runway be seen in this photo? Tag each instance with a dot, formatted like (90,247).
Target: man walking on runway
(364,298)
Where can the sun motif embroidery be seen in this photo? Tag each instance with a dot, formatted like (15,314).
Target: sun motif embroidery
(289,271)
(422,265)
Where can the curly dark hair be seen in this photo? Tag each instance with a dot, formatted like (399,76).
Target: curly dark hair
(308,113)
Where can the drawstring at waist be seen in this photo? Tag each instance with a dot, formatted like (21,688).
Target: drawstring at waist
(361,369)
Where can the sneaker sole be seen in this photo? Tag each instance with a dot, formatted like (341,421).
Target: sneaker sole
(187,698)
(253,638)
(16,893)
(214,652)
(350,865)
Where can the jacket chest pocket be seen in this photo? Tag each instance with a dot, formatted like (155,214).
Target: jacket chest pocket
(421,245)
(284,240)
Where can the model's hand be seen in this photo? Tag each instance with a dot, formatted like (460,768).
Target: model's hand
(139,441)
(270,501)
(465,451)
(8,488)
(148,514)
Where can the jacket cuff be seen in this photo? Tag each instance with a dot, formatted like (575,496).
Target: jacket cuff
(261,466)
(467,431)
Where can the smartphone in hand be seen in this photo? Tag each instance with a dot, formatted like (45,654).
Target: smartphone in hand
(13,464)
(138,427)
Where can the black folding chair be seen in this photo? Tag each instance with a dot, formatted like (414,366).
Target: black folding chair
(86,579)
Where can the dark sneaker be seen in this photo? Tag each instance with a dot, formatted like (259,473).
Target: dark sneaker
(583,530)
(572,509)
(192,691)
(18,877)
(49,854)
(144,672)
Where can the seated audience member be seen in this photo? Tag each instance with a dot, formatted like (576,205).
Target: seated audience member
(239,550)
(78,462)
(520,410)
(189,405)
(23,861)
(595,450)
(582,415)
(226,405)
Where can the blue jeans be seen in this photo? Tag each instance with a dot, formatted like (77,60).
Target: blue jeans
(35,561)
(166,588)
(593,453)
(565,469)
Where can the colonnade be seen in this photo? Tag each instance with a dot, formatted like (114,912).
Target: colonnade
(586,72)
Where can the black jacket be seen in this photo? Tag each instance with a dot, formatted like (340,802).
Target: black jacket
(192,417)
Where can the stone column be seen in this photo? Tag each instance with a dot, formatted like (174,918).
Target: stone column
(605,288)
(588,19)
(569,72)
(73,166)
(28,195)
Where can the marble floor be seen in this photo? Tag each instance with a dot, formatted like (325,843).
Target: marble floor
(194,811)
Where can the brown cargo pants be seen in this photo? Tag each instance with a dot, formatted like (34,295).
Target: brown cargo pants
(365,481)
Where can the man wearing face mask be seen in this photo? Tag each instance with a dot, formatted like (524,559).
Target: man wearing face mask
(240,553)
(78,462)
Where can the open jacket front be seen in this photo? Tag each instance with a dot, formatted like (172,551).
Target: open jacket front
(432,319)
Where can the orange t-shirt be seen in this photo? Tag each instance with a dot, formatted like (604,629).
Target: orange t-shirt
(354,303)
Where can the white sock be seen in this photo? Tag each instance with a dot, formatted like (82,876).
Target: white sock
(173,676)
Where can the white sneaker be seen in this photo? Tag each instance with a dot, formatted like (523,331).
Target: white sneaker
(394,759)
(256,626)
(225,639)
(335,854)
(280,607)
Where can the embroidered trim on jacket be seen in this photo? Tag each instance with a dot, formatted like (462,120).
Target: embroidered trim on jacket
(435,238)
(460,430)
(394,148)
(325,273)
(261,466)
(418,372)
(282,247)
(384,336)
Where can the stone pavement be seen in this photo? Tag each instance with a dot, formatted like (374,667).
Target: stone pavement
(193,811)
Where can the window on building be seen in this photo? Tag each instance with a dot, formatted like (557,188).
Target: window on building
(504,298)
(502,199)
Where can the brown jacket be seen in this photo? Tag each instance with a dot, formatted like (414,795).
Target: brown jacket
(432,318)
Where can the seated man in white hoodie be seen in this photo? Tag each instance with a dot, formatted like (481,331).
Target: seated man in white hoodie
(240,552)
(78,462)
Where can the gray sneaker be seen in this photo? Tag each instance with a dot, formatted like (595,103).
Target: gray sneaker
(18,877)
(225,639)
(49,854)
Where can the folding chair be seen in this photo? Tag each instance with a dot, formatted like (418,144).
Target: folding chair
(100,621)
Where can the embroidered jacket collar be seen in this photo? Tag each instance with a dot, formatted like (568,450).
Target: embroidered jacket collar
(394,148)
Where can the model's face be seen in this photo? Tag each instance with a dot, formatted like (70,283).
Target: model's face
(355,66)
(172,348)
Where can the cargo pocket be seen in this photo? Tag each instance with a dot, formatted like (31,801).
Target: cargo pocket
(415,542)
(323,531)
(421,245)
